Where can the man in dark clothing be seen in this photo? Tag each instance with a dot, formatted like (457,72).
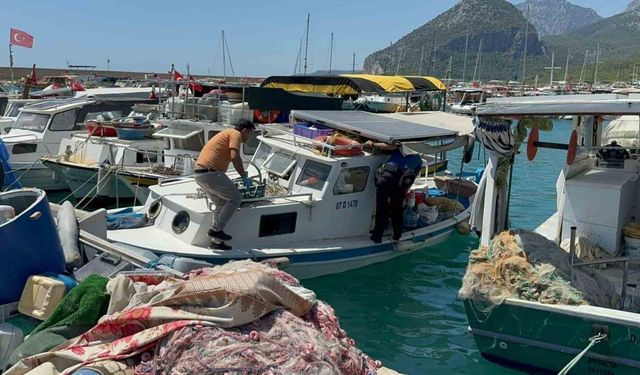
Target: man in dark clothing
(393,180)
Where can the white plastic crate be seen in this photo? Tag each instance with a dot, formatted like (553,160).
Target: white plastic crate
(8,310)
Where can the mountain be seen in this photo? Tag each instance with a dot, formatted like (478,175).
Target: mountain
(633,5)
(498,24)
(554,17)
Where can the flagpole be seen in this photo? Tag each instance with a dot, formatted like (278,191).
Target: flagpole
(11,61)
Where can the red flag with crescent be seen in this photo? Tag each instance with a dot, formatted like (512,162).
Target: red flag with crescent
(20,38)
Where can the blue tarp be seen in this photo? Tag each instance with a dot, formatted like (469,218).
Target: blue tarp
(126,219)
(9,175)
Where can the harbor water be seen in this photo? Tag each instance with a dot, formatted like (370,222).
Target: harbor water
(406,312)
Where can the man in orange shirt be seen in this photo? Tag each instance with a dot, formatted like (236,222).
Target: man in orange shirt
(210,171)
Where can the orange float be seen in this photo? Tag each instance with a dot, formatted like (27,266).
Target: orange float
(532,148)
(265,117)
(341,140)
(573,147)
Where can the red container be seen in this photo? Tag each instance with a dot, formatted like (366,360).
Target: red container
(420,196)
(97,129)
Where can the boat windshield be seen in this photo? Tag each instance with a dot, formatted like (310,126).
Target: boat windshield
(31,121)
(13,110)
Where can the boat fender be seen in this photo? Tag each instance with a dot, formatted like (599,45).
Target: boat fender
(265,117)
(463,227)
(69,231)
(468,149)
(532,148)
(573,147)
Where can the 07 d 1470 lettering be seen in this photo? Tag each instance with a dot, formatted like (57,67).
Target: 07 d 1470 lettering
(341,205)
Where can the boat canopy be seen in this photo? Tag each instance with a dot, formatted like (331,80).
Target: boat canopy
(461,124)
(557,105)
(354,84)
(375,127)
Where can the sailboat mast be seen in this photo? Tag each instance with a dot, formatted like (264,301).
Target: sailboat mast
(399,61)
(475,70)
(331,54)
(296,68)
(353,64)
(306,45)
(526,39)
(584,65)
(595,70)
(464,63)
(421,59)
(566,67)
(224,58)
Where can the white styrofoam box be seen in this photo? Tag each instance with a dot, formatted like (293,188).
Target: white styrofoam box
(599,203)
(233,113)
(40,296)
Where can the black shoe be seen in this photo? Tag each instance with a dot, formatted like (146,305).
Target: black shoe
(219,235)
(376,239)
(219,246)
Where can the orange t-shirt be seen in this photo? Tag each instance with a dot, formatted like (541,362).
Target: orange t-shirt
(216,154)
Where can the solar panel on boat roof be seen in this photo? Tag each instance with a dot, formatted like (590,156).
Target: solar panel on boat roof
(374,126)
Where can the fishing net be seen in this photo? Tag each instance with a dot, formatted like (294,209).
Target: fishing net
(525,265)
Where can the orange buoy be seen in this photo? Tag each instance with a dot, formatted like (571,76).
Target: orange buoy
(573,147)
(265,117)
(341,140)
(532,148)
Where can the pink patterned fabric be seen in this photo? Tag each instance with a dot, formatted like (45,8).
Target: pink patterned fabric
(194,318)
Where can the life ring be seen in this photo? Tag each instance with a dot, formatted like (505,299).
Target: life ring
(341,140)
(468,149)
(573,147)
(265,117)
(532,149)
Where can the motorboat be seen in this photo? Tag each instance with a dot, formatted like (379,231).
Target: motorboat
(11,113)
(312,202)
(465,99)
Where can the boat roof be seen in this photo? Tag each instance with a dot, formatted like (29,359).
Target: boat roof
(373,126)
(461,124)
(353,84)
(560,105)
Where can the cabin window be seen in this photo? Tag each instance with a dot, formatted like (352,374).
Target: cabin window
(24,148)
(252,144)
(314,175)
(193,143)
(146,157)
(351,180)
(261,154)
(280,164)
(64,121)
(31,121)
(180,222)
(273,225)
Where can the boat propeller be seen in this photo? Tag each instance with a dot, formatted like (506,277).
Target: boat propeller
(533,144)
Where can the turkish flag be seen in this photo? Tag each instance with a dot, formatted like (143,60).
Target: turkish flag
(177,76)
(20,38)
(194,85)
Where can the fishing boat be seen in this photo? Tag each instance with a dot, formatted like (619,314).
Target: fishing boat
(597,200)
(40,127)
(11,113)
(312,202)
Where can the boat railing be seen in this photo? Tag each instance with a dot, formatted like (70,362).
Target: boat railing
(574,264)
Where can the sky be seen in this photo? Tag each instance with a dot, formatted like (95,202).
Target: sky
(263,36)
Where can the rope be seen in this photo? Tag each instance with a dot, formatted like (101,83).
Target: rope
(22,174)
(593,340)
(79,187)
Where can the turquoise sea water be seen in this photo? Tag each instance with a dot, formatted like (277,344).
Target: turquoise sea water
(405,312)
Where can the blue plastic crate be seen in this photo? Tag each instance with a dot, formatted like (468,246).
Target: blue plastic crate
(304,129)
